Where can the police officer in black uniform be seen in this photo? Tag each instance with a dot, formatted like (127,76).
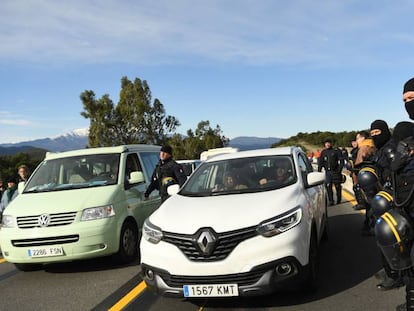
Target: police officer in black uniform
(394,230)
(331,160)
(385,149)
(167,172)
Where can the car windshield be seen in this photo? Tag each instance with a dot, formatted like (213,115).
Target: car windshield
(74,173)
(241,175)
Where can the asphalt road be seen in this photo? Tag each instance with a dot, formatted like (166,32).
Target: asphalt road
(348,263)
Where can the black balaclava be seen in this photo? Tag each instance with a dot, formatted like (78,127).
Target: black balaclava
(403,130)
(381,139)
(409,106)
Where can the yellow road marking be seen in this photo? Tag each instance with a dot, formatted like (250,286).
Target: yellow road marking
(129,297)
(350,198)
(2,260)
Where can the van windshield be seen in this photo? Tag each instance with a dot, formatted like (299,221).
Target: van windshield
(241,175)
(75,172)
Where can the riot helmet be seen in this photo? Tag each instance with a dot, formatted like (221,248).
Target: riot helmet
(394,237)
(368,180)
(381,203)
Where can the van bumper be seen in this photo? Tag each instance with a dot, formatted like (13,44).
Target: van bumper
(89,241)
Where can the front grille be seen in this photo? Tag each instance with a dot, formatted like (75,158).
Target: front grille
(224,244)
(61,219)
(46,241)
(242,279)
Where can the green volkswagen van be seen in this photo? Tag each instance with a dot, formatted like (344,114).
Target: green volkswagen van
(81,204)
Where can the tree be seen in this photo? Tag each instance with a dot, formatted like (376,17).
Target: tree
(102,129)
(134,120)
(203,138)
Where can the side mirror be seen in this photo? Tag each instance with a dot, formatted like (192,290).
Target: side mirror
(136,177)
(20,187)
(173,189)
(315,178)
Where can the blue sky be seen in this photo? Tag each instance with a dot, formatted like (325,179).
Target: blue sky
(266,68)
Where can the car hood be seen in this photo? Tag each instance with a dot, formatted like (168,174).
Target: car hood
(61,201)
(186,215)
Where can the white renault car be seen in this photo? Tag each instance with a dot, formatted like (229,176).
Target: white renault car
(245,223)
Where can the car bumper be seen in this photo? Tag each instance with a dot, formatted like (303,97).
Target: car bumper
(261,280)
(81,241)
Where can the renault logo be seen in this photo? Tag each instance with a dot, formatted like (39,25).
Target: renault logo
(43,220)
(206,241)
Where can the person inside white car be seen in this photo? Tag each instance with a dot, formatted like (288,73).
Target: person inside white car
(281,175)
(230,182)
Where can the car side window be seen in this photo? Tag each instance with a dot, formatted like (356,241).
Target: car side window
(304,166)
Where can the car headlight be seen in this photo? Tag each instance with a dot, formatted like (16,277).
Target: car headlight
(98,212)
(151,233)
(280,223)
(8,221)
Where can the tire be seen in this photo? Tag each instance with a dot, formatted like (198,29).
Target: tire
(311,271)
(27,267)
(128,243)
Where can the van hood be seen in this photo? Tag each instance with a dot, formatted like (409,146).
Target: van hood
(61,201)
(182,214)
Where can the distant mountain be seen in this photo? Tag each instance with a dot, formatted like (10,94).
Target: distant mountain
(250,143)
(78,139)
(24,149)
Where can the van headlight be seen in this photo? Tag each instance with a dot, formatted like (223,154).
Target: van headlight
(151,233)
(280,223)
(98,212)
(8,221)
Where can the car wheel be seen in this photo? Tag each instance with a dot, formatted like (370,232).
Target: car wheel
(128,243)
(27,267)
(310,281)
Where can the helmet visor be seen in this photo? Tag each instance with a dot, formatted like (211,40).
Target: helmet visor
(397,255)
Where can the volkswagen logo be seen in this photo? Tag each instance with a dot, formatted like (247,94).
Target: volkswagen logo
(43,220)
(206,241)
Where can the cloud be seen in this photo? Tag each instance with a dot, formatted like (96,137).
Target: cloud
(16,122)
(182,31)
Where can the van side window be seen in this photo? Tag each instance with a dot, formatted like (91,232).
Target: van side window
(149,160)
(132,165)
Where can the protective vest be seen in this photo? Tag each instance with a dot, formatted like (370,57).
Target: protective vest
(330,159)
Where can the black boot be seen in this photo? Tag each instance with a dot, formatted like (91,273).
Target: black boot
(338,189)
(361,201)
(329,192)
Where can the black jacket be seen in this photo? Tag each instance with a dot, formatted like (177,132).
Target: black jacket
(163,170)
(331,160)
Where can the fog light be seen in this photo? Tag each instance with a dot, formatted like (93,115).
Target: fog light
(149,275)
(283,269)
